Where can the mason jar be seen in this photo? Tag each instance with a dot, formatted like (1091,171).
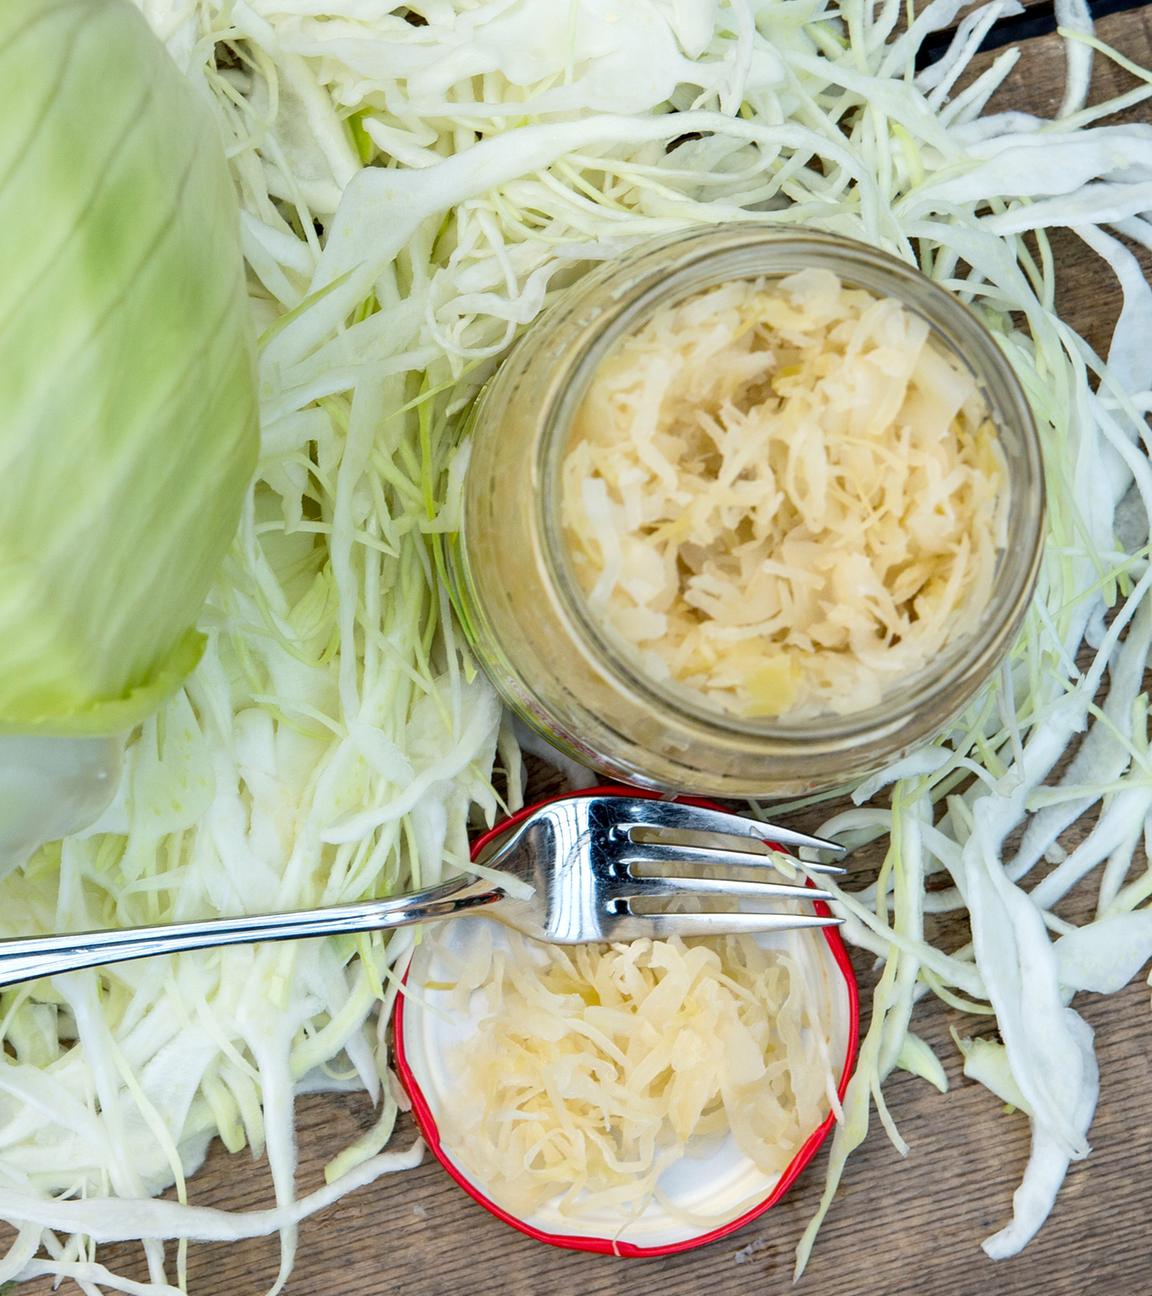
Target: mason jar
(528,620)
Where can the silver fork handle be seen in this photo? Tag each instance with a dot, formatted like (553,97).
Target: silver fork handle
(26,958)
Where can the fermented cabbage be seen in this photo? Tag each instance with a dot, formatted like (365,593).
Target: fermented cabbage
(784,497)
(593,1069)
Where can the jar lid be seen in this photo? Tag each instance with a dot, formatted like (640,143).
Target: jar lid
(719,1184)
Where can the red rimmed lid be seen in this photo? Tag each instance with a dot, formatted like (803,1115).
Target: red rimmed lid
(424,1032)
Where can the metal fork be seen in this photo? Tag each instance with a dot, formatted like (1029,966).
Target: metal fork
(580,856)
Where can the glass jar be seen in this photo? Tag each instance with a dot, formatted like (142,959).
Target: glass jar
(526,615)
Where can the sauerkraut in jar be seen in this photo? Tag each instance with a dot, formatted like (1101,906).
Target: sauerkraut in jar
(784,496)
(749,512)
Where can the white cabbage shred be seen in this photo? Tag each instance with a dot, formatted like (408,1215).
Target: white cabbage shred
(416,184)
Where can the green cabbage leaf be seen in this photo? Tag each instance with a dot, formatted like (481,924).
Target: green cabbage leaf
(128,409)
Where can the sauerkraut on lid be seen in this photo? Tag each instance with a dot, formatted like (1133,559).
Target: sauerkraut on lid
(595,1067)
(783,496)
(637,1098)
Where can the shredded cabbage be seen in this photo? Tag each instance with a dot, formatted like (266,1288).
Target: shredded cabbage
(785,498)
(412,194)
(593,1070)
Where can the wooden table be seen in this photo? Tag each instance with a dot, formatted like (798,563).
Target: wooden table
(897,1228)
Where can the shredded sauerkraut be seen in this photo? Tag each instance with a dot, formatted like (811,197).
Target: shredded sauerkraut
(784,495)
(593,1069)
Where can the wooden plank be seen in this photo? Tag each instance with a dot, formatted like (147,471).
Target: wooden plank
(897,1228)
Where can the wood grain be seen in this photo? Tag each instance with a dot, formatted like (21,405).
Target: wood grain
(897,1228)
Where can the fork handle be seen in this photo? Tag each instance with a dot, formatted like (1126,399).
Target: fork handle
(26,958)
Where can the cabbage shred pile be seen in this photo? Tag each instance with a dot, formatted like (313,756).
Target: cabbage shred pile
(416,184)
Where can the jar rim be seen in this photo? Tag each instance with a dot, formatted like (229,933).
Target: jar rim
(707,259)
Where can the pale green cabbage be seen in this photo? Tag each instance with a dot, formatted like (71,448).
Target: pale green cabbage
(127,385)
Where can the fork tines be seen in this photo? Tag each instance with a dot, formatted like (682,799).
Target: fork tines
(673,816)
